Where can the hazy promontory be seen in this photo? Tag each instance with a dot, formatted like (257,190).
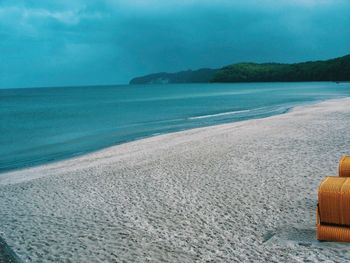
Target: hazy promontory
(337,69)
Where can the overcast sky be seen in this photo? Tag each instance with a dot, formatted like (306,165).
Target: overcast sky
(91,42)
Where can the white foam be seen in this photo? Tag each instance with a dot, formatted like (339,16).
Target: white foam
(218,114)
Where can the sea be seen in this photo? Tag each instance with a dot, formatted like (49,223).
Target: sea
(42,125)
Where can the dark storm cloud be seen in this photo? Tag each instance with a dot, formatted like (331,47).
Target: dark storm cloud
(54,43)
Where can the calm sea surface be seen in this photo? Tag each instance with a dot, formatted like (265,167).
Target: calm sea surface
(46,124)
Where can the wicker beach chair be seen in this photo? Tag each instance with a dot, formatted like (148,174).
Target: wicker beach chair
(333,209)
(344,166)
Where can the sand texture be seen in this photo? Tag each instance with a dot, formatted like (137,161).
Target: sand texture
(241,192)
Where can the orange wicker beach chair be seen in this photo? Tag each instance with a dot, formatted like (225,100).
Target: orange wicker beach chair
(333,209)
(344,166)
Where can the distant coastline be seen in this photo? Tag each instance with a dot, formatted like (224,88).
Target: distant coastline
(337,70)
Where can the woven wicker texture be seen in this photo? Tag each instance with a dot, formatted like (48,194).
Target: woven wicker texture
(344,166)
(333,233)
(334,201)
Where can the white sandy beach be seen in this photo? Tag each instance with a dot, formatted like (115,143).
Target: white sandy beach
(244,192)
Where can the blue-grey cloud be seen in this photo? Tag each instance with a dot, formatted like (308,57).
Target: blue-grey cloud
(58,43)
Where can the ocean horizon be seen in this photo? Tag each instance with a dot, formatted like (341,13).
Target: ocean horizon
(40,125)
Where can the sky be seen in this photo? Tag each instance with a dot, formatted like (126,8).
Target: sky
(105,42)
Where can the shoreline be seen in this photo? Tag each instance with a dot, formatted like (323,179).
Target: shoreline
(83,153)
(18,175)
(240,191)
(107,127)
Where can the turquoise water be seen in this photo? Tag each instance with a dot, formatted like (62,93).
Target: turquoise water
(46,124)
